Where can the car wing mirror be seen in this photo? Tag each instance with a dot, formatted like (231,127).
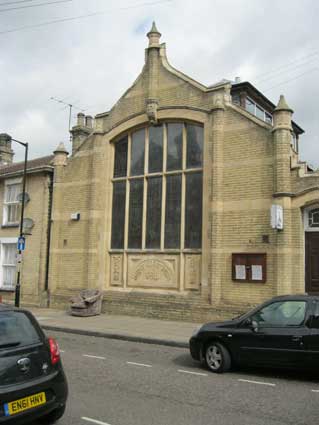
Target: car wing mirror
(254,325)
(251,324)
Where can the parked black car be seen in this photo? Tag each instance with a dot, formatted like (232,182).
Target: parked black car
(282,332)
(33,385)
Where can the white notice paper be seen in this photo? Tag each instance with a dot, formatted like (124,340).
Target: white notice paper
(240,272)
(256,273)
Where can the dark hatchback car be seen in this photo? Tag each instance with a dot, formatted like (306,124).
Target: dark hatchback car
(282,332)
(33,385)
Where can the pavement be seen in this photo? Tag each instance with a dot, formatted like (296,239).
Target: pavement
(136,329)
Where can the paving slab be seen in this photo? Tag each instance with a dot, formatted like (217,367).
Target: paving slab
(151,331)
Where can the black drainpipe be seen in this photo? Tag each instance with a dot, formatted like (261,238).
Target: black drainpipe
(46,282)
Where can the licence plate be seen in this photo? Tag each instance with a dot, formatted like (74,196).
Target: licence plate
(25,403)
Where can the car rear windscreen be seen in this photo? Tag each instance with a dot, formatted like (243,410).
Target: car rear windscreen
(16,329)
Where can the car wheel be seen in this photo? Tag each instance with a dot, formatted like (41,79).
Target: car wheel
(53,416)
(217,357)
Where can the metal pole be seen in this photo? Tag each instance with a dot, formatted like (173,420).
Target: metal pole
(18,285)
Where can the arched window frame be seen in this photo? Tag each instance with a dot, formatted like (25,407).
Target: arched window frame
(186,174)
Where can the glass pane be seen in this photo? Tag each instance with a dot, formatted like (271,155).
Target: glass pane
(120,161)
(16,327)
(9,273)
(13,213)
(9,254)
(268,118)
(250,106)
(283,313)
(154,212)
(236,99)
(174,146)
(314,218)
(118,215)
(155,163)
(193,211)
(260,113)
(194,146)
(173,211)
(12,192)
(135,214)
(315,317)
(137,153)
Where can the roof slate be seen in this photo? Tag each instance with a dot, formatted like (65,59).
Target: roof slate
(44,161)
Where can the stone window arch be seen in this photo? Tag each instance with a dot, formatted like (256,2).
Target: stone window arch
(157,188)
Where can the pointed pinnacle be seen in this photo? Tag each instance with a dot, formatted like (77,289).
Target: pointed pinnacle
(154,30)
(282,105)
(60,148)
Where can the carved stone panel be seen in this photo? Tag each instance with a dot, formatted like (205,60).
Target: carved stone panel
(153,271)
(192,271)
(116,270)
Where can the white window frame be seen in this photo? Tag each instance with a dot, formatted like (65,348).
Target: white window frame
(306,218)
(5,241)
(255,114)
(8,183)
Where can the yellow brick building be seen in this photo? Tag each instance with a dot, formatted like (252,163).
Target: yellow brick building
(34,264)
(184,201)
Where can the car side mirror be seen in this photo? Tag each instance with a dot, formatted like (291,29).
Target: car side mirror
(251,324)
(254,325)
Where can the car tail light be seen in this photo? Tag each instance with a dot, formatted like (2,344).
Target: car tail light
(54,351)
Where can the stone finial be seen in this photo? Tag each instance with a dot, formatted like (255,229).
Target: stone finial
(282,105)
(60,155)
(154,36)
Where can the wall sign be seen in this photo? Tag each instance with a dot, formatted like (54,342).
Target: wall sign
(249,267)
(277,217)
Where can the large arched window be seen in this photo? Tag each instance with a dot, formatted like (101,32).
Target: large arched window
(157,188)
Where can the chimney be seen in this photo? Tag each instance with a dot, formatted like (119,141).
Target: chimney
(81,130)
(6,153)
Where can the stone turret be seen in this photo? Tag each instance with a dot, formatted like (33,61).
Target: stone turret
(81,130)
(154,36)
(282,115)
(282,138)
(60,155)
(152,62)
(6,153)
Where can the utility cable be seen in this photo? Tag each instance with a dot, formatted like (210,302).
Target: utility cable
(74,18)
(33,5)
(274,70)
(287,70)
(8,3)
(292,79)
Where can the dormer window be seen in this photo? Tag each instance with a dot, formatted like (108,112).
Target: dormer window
(252,107)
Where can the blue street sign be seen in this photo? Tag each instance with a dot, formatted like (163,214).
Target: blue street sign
(21,243)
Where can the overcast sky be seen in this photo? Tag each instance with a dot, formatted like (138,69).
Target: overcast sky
(91,61)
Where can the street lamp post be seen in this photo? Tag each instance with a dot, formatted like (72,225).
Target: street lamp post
(18,284)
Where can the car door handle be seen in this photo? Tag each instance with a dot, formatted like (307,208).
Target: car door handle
(296,338)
